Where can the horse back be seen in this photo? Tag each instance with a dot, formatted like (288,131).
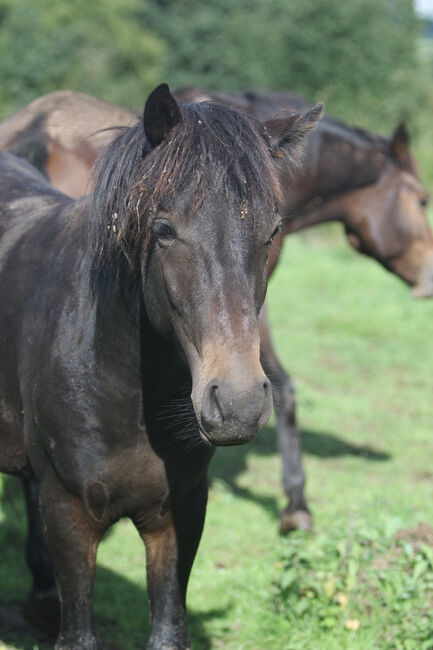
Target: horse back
(61,134)
(27,202)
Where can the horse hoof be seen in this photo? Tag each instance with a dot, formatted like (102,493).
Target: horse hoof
(43,611)
(297,520)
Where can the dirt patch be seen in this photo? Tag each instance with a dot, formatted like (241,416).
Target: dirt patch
(422,534)
(423,476)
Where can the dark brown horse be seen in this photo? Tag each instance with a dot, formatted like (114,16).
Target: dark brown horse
(367,182)
(130,339)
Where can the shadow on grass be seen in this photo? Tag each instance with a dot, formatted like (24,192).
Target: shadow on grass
(122,614)
(326,445)
(121,607)
(229,462)
(122,618)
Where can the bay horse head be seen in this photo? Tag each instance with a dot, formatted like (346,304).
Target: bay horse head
(187,198)
(387,219)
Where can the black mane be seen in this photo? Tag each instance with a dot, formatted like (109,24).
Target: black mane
(213,146)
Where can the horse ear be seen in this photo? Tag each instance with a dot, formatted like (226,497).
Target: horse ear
(161,114)
(291,130)
(400,143)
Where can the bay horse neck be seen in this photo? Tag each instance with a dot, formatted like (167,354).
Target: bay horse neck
(340,160)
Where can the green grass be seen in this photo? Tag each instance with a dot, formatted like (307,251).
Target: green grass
(361,352)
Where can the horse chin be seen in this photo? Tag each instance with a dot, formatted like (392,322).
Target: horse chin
(231,436)
(217,441)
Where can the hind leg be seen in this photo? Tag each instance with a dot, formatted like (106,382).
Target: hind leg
(296,515)
(43,608)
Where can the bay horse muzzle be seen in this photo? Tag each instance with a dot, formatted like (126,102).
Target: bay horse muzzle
(233,416)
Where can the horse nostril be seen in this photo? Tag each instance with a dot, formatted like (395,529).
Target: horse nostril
(267,388)
(217,405)
(212,411)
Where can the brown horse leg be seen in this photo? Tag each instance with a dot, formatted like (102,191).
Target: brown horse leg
(170,553)
(42,608)
(73,538)
(297,514)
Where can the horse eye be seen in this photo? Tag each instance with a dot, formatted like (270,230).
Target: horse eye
(274,234)
(423,202)
(162,230)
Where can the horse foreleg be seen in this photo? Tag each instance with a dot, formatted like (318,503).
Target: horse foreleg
(42,608)
(296,515)
(170,551)
(73,538)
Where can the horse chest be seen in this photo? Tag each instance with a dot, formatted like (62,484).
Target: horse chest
(122,483)
(140,484)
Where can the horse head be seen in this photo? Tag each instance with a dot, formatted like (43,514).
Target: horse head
(387,219)
(198,223)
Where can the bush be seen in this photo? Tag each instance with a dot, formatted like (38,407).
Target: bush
(96,47)
(360,56)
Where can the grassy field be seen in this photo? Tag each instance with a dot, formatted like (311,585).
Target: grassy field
(361,351)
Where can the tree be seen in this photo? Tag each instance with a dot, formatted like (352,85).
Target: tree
(360,56)
(96,47)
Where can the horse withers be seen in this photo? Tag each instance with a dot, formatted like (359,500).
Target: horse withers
(130,341)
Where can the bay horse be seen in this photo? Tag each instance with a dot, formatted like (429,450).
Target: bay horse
(130,339)
(367,182)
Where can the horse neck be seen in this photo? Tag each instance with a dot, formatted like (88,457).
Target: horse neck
(338,163)
(318,211)
(130,348)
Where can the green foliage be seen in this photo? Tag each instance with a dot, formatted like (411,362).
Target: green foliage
(360,56)
(422,126)
(363,572)
(223,45)
(95,47)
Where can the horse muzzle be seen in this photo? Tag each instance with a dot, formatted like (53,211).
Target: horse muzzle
(232,415)
(422,291)
(423,287)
